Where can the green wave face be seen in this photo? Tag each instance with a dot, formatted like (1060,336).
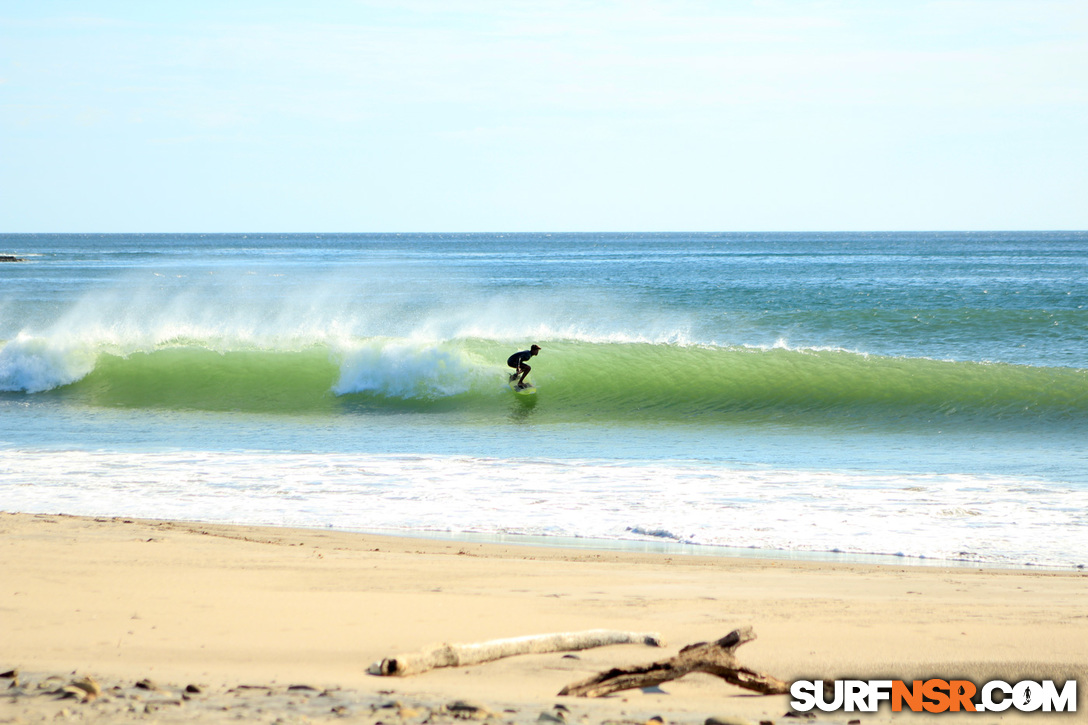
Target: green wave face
(737,383)
(585,381)
(201,379)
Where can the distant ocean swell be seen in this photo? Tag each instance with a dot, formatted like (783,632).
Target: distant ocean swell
(611,380)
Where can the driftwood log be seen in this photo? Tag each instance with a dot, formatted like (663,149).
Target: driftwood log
(460,655)
(715,658)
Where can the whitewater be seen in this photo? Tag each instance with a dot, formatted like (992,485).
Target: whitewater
(916,396)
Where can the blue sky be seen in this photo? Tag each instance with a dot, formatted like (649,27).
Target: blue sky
(457,115)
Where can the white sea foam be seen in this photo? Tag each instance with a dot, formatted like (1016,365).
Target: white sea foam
(989,520)
(35,364)
(405,369)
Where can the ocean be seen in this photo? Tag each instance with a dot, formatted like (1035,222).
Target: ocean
(902,397)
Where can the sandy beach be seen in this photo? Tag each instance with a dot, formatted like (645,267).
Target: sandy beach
(269,624)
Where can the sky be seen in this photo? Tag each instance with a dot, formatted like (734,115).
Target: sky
(507,115)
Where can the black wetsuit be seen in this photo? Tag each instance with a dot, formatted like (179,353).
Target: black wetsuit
(518,360)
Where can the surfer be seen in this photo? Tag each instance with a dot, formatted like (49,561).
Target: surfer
(517,361)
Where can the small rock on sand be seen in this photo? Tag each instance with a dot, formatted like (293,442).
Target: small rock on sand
(469,709)
(89,686)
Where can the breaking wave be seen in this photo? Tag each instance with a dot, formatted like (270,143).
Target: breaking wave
(578,380)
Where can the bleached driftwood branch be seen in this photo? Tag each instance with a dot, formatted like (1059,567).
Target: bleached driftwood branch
(715,658)
(460,655)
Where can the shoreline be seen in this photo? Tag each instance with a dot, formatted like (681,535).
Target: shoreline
(221,606)
(677,548)
(648,546)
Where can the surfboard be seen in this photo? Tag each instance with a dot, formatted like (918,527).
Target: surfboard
(527,390)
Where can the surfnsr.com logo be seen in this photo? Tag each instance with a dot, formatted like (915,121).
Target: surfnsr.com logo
(933,695)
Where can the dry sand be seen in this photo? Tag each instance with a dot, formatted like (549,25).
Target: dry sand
(245,614)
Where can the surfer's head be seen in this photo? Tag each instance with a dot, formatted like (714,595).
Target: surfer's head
(534,349)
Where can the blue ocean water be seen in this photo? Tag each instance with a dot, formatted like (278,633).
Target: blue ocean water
(921,395)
